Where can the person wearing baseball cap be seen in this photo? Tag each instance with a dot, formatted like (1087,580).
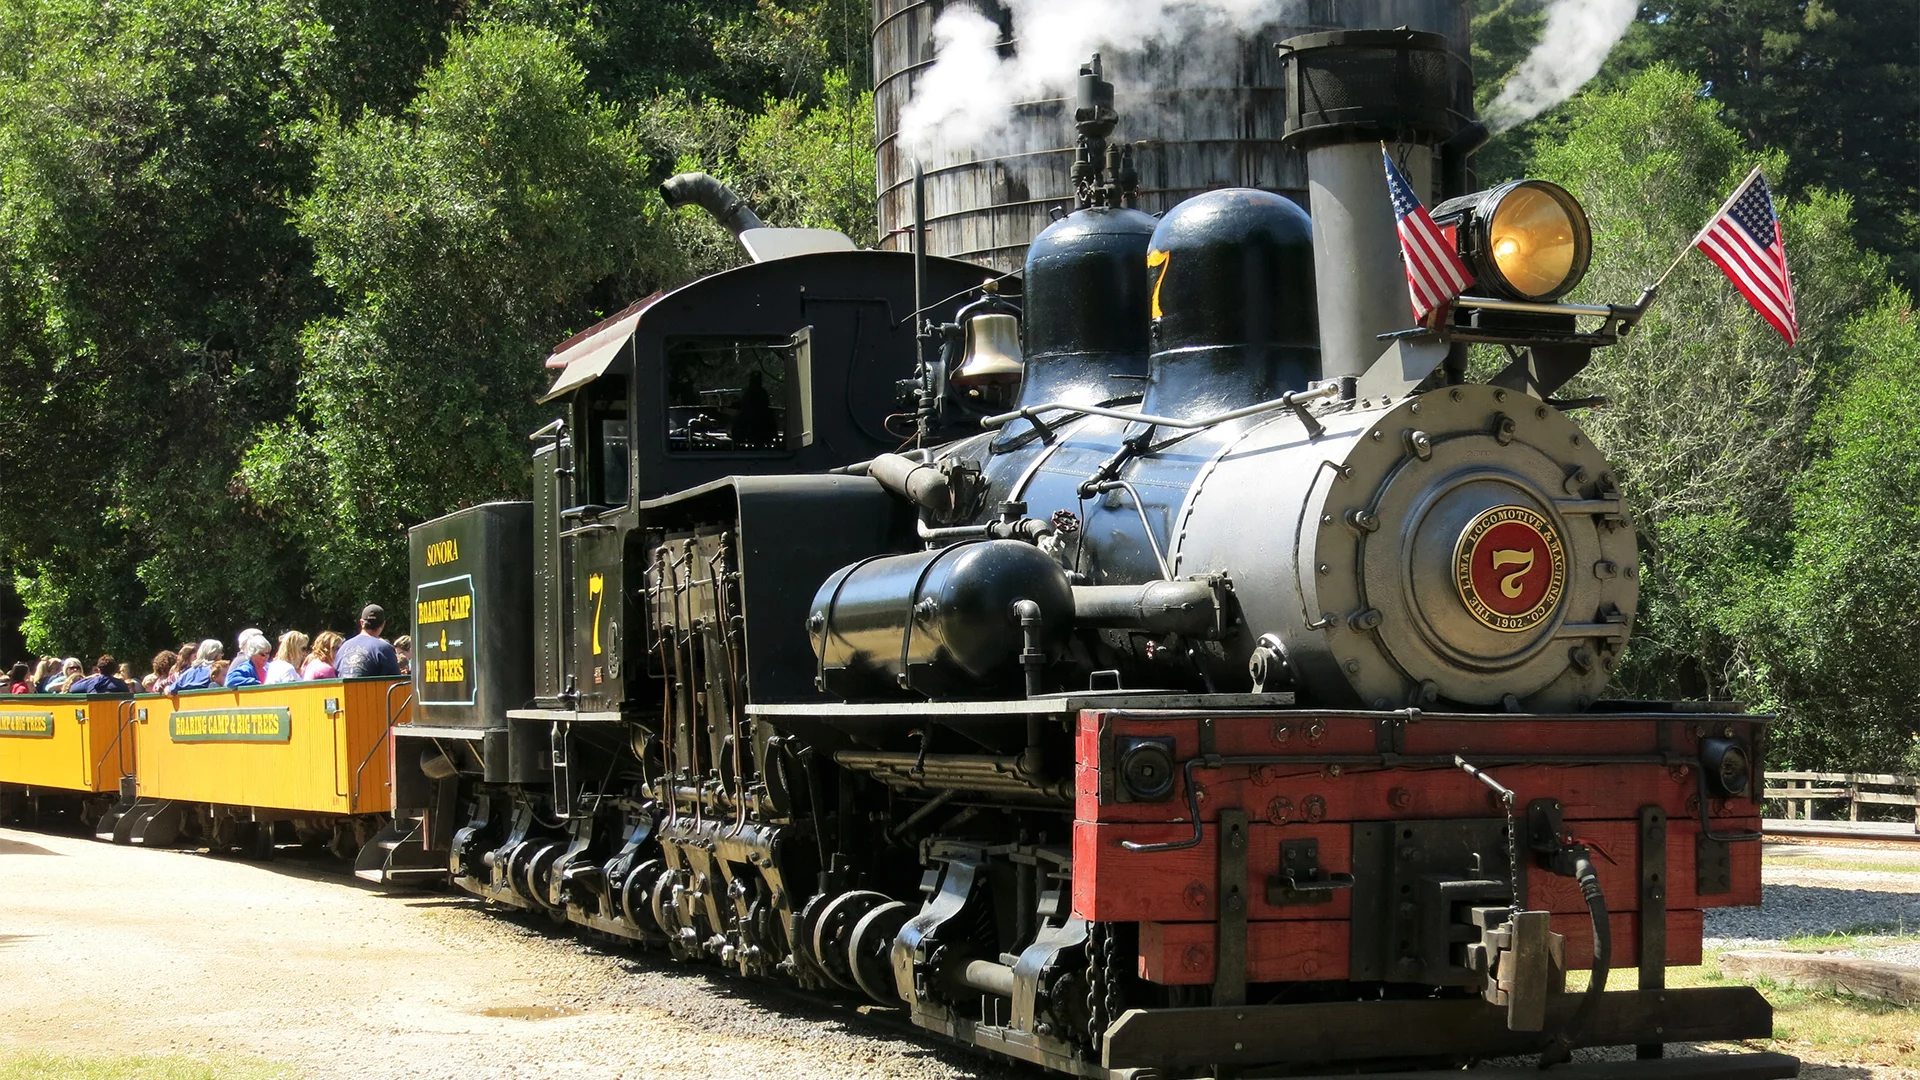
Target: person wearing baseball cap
(366,654)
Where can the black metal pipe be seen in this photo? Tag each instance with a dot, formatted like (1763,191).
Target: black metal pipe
(1032,657)
(716,198)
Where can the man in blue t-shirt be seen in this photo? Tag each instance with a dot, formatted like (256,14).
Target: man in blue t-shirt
(365,654)
(104,680)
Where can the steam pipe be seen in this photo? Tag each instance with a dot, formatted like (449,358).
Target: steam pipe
(919,483)
(716,198)
(1188,608)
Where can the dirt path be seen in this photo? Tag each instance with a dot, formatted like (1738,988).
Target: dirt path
(114,949)
(123,950)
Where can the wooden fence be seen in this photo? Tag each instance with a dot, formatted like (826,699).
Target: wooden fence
(1798,791)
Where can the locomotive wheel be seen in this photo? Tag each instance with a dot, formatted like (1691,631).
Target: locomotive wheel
(636,894)
(870,953)
(665,914)
(800,941)
(540,876)
(834,932)
(259,841)
(519,861)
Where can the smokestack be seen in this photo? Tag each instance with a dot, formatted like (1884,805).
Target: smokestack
(1348,91)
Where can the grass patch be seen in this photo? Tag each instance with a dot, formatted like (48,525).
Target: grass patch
(1825,1026)
(1820,862)
(1822,1026)
(34,1065)
(1863,936)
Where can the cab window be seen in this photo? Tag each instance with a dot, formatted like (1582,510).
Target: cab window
(728,395)
(608,457)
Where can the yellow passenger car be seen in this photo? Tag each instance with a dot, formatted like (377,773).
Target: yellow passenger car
(224,768)
(71,748)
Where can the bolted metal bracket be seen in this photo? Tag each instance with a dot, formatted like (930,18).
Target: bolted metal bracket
(1712,867)
(1230,950)
(1653,909)
(1301,879)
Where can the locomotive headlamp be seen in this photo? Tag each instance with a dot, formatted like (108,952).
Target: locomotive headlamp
(1526,240)
(1728,767)
(1146,769)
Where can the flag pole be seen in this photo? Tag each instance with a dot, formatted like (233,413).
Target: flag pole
(1646,298)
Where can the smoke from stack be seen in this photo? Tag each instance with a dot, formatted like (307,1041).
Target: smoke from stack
(965,100)
(1578,36)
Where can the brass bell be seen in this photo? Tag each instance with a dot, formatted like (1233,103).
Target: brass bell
(993,352)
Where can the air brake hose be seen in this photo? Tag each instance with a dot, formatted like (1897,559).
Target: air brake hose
(1561,1049)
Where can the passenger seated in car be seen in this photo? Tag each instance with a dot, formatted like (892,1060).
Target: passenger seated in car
(250,667)
(319,663)
(104,680)
(200,675)
(285,666)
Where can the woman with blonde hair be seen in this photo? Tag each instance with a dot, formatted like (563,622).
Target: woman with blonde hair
(285,666)
(70,672)
(319,663)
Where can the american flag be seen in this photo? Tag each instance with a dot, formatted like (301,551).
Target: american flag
(1435,274)
(1743,240)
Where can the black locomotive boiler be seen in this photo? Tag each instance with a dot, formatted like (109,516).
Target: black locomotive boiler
(1216,684)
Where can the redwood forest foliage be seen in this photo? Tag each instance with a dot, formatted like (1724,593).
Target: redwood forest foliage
(276,277)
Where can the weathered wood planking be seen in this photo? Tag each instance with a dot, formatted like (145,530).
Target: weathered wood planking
(1898,983)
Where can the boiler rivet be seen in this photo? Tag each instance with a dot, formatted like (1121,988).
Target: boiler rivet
(1325,569)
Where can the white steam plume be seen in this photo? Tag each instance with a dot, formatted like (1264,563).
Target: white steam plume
(1578,36)
(965,99)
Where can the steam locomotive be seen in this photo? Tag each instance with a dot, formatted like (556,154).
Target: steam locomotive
(1163,663)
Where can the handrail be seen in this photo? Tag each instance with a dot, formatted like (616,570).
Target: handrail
(128,706)
(392,714)
(80,718)
(339,750)
(1291,400)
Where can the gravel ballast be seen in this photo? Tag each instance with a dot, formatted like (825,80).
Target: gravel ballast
(109,949)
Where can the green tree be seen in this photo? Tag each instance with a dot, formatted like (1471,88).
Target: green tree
(1845,606)
(1711,419)
(1835,84)
(505,208)
(151,292)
